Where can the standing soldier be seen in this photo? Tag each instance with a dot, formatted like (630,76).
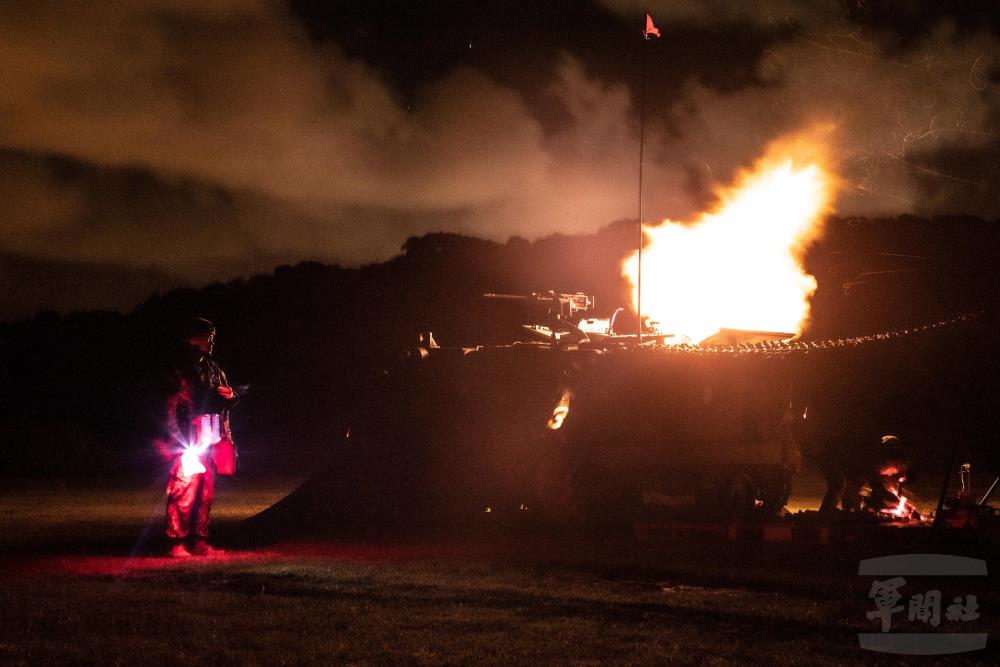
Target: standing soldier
(198,424)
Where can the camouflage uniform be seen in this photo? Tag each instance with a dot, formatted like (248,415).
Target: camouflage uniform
(190,496)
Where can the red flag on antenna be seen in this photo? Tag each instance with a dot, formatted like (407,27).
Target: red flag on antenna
(651,28)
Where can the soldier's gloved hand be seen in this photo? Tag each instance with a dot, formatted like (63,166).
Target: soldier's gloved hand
(226,392)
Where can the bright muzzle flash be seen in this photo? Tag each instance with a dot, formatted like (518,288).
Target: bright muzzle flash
(740,265)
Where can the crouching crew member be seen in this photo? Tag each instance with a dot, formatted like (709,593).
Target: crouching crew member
(852,462)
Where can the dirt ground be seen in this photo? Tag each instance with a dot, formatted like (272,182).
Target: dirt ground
(82,582)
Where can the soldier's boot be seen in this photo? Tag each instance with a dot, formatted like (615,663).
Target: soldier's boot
(178,550)
(203,548)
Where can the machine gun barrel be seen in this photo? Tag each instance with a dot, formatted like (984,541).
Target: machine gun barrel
(509,297)
(568,303)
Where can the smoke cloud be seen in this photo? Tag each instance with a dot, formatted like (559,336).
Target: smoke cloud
(315,152)
(208,139)
(897,107)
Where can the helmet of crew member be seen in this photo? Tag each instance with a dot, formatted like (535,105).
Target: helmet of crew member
(200,333)
(199,326)
(895,459)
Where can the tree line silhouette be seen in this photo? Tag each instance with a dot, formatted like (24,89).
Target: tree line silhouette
(82,392)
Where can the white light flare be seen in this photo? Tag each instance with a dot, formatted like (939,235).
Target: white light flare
(207,434)
(740,265)
(191,464)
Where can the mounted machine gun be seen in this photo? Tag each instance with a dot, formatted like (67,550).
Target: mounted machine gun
(561,323)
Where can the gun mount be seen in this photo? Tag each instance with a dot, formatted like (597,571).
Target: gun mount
(561,321)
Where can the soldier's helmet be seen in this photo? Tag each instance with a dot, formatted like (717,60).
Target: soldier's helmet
(895,457)
(198,326)
(200,333)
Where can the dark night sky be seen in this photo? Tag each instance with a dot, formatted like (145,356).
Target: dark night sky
(147,144)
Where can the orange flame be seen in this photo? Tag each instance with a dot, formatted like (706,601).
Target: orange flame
(901,508)
(904,509)
(560,411)
(739,266)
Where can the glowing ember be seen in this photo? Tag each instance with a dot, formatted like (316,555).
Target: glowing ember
(560,411)
(740,265)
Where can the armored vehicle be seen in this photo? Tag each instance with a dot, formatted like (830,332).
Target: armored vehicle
(606,430)
(576,432)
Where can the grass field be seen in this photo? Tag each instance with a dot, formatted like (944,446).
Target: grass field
(74,589)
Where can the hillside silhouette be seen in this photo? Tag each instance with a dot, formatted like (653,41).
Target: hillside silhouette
(82,391)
